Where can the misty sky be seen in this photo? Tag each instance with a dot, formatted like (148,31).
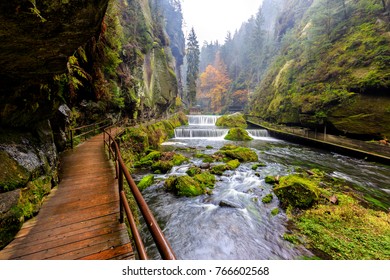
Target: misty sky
(212,19)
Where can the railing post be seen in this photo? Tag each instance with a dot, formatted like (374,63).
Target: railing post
(120,185)
(71,138)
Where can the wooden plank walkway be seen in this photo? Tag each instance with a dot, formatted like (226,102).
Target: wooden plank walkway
(80,218)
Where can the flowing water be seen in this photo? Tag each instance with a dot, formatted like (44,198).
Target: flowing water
(198,228)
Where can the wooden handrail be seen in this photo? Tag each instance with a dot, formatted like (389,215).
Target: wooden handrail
(161,242)
(93,127)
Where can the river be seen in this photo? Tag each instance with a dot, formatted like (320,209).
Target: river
(198,228)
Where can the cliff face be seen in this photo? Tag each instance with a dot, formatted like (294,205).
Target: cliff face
(333,70)
(36,39)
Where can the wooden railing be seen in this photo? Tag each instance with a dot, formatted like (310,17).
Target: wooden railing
(87,130)
(161,242)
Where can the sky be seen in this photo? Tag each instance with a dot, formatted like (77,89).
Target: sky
(212,19)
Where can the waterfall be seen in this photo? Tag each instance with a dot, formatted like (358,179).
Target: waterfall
(258,133)
(200,132)
(202,120)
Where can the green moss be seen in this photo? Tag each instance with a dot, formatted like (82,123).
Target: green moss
(178,159)
(12,175)
(241,153)
(257,165)
(296,191)
(146,182)
(149,159)
(275,211)
(206,179)
(136,140)
(238,134)
(219,169)
(206,158)
(268,198)
(209,147)
(192,171)
(234,120)
(291,238)
(233,164)
(162,166)
(271,180)
(184,186)
(347,231)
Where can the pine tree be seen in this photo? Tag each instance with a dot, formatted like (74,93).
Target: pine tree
(193,54)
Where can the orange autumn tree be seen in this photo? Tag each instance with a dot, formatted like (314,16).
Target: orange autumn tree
(214,85)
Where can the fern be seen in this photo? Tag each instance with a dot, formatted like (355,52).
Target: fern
(35,11)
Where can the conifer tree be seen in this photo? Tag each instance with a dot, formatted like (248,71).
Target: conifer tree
(193,54)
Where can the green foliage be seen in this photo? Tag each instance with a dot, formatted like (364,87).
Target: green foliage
(35,11)
(192,65)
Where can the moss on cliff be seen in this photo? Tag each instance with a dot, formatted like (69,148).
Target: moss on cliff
(342,83)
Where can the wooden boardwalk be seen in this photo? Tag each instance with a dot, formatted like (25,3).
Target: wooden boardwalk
(80,218)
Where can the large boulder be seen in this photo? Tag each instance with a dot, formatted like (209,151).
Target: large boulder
(190,186)
(297,191)
(238,134)
(241,153)
(234,120)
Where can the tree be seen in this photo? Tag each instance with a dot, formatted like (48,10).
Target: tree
(193,66)
(214,85)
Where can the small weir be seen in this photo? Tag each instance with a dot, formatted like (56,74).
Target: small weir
(202,120)
(204,127)
(181,133)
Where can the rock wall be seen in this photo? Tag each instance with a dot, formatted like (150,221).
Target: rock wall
(36,40)
(37,37)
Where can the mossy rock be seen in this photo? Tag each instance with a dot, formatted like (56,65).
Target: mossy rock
(178,159)
(162,166)
(18,205)
(184,186)
(206,158)
(12,175)
(206,179)
(257,165)
(219,169)
(241,153)
(146,182)
(238,134)
(271,180)
(296,191)
(267,199)
(233,164)
(149,159)
(275,211)
(234,120)
(193,170)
